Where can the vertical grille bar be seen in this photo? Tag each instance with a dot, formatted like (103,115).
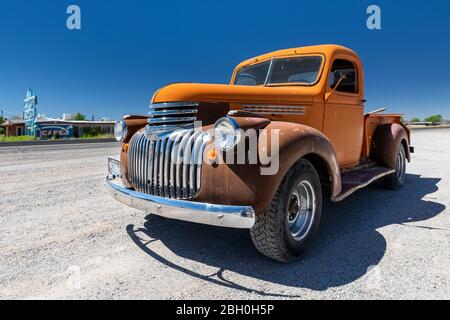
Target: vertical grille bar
(194,164)
(150,168)
(161,167)
(167,165)
(205,140)
(155,168)
(180,166)
(173,166)
(141,164)
(187,164)
(130,160)
(137,162)
(146,156)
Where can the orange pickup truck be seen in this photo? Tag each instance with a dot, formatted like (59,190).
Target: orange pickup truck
(262,152)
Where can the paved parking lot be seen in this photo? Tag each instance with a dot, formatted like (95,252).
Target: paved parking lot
(61,236)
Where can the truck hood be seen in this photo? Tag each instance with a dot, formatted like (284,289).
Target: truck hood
(199,92)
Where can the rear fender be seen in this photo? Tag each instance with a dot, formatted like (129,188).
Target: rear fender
(385,144)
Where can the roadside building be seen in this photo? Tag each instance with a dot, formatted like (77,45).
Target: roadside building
(42,127)
(58,128)
(14,127)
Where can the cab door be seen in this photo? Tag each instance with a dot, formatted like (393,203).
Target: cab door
(344,109)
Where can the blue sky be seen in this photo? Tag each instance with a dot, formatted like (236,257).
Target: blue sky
(128,49)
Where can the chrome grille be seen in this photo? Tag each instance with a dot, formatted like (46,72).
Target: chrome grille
(169,166)
(171,115)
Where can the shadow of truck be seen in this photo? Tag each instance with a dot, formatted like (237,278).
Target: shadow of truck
(348,242)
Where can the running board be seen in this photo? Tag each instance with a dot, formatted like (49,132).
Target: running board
(358,179)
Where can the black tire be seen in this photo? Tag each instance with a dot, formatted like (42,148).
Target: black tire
(272,232)
(397,179)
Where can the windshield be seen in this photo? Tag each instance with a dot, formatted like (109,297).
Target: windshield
(301,70)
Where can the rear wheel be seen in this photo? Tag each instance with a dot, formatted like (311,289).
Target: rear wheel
(395,180)
(285,229)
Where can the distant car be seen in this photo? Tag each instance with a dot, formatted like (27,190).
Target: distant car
(312,96)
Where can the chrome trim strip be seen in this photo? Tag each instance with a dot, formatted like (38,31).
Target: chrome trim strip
(163,105)
(169,116)
(241,217)
(161,130)
(172,112)
(170,119)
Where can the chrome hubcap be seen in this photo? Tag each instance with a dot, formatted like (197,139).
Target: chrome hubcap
(301,210)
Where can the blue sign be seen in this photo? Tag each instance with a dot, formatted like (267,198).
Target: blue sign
(54,131)
(30,113)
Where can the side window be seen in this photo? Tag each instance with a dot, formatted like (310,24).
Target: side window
(343,75)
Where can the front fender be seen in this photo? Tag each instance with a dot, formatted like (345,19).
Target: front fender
(243,184)
(134,124)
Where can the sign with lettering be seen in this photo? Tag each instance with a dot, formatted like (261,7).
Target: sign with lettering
(30,113)
(56,131)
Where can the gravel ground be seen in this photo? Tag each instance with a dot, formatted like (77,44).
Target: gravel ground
(62,237)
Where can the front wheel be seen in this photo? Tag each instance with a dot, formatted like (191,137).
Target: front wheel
(285,229)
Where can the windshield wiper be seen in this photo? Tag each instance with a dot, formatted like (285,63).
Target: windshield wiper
(269,72)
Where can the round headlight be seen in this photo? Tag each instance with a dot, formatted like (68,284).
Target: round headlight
(120,130)
(226,133)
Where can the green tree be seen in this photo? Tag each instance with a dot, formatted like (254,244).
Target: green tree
(434,118)
(79,116)
(2,130)
(415,120)
(91,132)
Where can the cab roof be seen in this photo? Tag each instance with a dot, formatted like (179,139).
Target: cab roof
(327,49)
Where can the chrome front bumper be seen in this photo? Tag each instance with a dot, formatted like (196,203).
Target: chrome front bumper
(242,217)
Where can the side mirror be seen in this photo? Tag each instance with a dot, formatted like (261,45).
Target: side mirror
(348,75)
(341,77)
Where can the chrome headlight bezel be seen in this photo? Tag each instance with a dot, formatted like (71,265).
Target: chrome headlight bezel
(227,133)
(120,130)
